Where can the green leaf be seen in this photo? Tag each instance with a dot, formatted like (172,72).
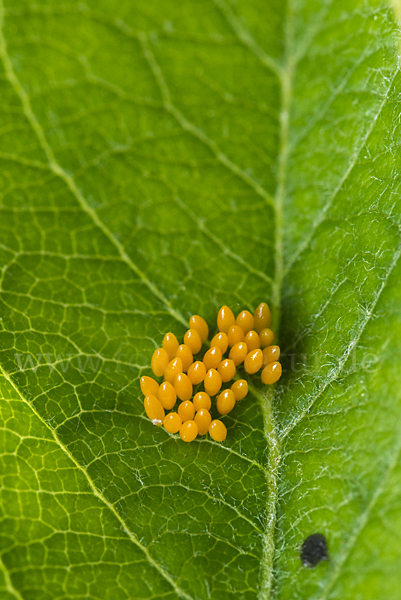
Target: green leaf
(159,159)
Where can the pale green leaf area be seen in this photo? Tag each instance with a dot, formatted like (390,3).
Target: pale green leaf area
(160,159)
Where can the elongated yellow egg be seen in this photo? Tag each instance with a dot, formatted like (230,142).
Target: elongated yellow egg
(266,337)
(183,386)
(227,369)
(220,340)
(159,362)
(238,353)
(212,358)
(253,361)
(262,317)
(170,344)
(186,410)
(225,319)
(202,400)
(203,420)
(172,422)
(217,430)
(197,372)
(252,340)
(271,373)
(188,431)
(173,368)
(199,324)
(149,386)
(212,382)
(193,340)
(245,320)
(154,410)
(270,354)
(235,335)
(185,354)
(167,395)
(225,402)
(240,389)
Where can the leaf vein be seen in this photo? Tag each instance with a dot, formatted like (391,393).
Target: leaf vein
(9,585)
(192,129)
(246,38)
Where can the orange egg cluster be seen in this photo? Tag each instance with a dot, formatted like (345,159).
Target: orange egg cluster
(248,341)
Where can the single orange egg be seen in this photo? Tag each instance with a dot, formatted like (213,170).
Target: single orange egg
(225,319)
(252,340)
(185,354)
(253,361)
(225,402)
(266,337)
(235,335)
(167,395)
(159,362)
(173,368)
(220,340)
(186,410)
(238,353)
(240,389)
(183,386)
(193,340)
(154,410)
(212,382)
(197,372)
(172,422)
(203,420)
(217,431)
(170,345)
(245,320)
(262,317)
(227,369)
(188,431)
(212,358)
(270,354)
(149,386)
(199,324)
(202,400)
(271,373)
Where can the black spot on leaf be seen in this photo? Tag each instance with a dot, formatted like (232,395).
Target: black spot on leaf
(314,549)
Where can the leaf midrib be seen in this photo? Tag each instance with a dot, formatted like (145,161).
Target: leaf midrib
(285,77)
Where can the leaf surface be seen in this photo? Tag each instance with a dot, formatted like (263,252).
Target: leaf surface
(159,159)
